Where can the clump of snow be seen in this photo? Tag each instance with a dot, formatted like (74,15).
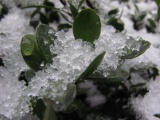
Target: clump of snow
(12,3)
(94,97)
(73,57)
(148,106)
(13,27)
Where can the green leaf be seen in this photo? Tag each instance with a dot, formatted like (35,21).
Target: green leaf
(137,85)
(63,26)
(80,3)
(38,108)
(29,74)
(152,23)
(49,4)
(81,91)
(49,113)
(65,17)
(43,18)
(158,2)
(45,38)
(70,94)
(87,26)
(142,16)
(42,6)
(151,26)
(157,115)
(72,107)
(73,10)
(113,12)
(31,52)
(135,48)
(118,75)
(66,100)
(115,77)
(116,23)
(92,66)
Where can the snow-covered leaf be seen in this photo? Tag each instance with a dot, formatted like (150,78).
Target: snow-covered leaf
(45,37)
(135,48)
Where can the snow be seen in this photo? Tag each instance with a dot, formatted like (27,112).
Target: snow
(145,107)
(13,27)
(73,58)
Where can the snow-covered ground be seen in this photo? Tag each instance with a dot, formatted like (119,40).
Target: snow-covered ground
(15,96)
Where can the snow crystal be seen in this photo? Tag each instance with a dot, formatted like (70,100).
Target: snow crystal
(13,27)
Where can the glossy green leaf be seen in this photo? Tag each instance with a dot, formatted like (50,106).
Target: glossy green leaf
(45,37)
(92,66)
(87,26)
(135,48)
(31,52)
(73,10)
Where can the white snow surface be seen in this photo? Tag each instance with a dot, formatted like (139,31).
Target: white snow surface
(12,101)
(73,58)
(146,107)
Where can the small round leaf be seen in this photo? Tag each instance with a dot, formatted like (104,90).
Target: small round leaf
(87,26)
